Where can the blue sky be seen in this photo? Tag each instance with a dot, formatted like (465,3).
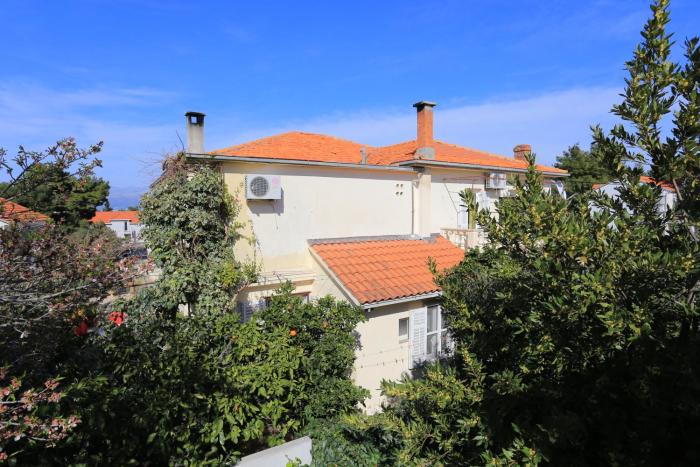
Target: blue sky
(125,72)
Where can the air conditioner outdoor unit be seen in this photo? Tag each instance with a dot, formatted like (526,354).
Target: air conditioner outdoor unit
(497,181)
(263,187)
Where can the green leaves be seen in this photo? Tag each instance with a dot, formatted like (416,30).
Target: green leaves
(190,228)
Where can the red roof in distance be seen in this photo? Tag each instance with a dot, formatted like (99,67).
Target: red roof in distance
(14,212)
(108,216)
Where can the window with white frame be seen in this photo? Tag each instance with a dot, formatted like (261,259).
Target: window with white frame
(436,335)
(463,217)
(403,329)
(429,338)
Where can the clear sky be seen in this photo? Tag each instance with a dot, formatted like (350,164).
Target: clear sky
(125,72)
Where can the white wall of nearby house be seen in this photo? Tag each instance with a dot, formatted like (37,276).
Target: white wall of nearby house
(667,199)
(331,202)
(124,228)
(318,202)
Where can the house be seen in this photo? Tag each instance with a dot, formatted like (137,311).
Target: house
(125,224)
(11,212)
(667,198)
(359,222)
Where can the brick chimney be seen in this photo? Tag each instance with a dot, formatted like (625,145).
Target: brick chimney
(195,132)
(521,150)
(424,139)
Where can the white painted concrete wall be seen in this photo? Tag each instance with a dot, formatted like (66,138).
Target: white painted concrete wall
(123,228)
(318,202)
(382,354)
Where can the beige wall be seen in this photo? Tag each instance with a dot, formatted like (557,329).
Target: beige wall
(382,355)
(445,189)
(319,202)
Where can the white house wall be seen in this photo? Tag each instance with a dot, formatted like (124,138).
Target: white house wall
(381,354)
(445,200)
(319,202)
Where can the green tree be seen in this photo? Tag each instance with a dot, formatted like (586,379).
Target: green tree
(576,330)
(584,167)
(52,285)
(190,228)
(202,387)
(50,186)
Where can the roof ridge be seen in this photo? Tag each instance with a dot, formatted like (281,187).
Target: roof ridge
(500,156)
(370,238)
(291,132)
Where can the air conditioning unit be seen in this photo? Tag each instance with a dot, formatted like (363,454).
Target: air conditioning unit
(496,181)
(263,187)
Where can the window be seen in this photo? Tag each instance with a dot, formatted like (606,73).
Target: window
(429,338)
(436,335)
(463,217)
(403,329)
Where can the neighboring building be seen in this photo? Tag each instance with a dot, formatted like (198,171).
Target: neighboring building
(359,222)
(11,212)
(125,224)
(667,199)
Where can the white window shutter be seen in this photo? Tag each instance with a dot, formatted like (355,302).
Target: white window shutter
(463,217)
(418,335)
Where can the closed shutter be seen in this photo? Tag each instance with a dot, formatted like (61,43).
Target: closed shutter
(462,217)
(418,337)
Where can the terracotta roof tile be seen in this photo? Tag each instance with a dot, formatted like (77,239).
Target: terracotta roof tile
(379,270)
(663,184)
(313,147)
(12,211)
(109,216)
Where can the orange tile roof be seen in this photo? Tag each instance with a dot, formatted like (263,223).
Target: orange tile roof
(298,145)
(17,213)
(663,184)
(378,270)
(109,216)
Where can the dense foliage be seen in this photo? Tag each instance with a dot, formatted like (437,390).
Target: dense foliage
(52,284)
(167,384)
(45,182)
(585,169)
(190,229)
(576,330)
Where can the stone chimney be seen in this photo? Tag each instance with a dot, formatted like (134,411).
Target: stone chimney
(424,138)
(195,132)
(521,150)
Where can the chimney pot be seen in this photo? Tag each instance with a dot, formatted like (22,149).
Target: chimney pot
(363,153)
(521,150)
(425,144)
(195,132)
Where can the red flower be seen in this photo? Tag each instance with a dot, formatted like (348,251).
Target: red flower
(81,329)
(117,317)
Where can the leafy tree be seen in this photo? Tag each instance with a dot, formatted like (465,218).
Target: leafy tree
(576,332)
(50,186)
(200,386)
(190,228)
(585,168)
(52,284)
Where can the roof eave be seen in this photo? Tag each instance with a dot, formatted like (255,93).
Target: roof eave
(459,165)
(394,301)
(269,160)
